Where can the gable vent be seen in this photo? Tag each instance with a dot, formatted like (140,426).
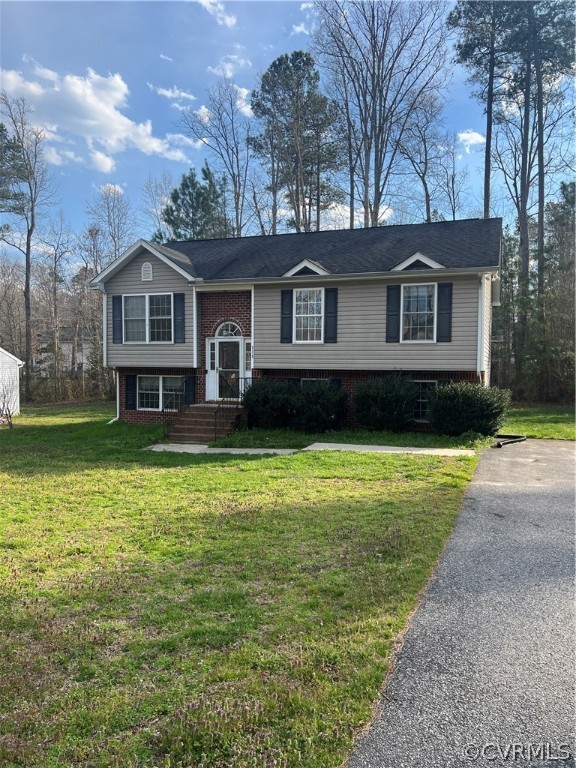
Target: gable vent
(147,274)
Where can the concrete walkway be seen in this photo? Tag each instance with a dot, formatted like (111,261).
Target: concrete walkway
(486,675)
(197,448)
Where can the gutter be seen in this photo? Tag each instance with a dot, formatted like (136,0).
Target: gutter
(216,285)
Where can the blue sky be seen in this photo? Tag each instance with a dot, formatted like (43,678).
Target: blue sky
(108,81)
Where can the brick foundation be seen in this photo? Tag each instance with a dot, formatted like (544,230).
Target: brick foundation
(146,417)
(350,380)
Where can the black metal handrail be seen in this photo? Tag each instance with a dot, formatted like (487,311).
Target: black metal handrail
(173,404)
(233,388)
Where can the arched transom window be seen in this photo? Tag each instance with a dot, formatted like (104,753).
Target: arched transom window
(229,329)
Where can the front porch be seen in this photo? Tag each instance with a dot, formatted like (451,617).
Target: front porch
(204,422)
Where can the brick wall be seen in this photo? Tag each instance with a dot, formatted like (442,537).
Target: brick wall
(215,308)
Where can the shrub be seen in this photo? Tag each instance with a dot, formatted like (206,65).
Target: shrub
(269,405)
(319,406)
(386,403)
(462,407)
(316,407)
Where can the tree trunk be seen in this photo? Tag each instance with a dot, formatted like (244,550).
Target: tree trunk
(489,114)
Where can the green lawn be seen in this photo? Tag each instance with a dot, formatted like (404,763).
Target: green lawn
(287,438)
(545,421)
(163,609)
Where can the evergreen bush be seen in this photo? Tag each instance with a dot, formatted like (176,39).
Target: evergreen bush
(269,404)
(319,406)
(463,407)
(388,403)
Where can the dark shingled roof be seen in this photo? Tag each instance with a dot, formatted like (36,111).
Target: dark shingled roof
(467,244)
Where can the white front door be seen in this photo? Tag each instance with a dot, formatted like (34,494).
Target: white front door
(228,363)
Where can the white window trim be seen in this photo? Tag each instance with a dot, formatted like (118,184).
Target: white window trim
(147,317)
(424,381)
(418,341)
(322,316)
(160,391)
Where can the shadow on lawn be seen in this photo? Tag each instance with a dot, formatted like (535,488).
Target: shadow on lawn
(291,607)
(50,449)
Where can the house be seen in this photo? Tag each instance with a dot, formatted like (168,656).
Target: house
(199,319)
(9,383)
(74,350)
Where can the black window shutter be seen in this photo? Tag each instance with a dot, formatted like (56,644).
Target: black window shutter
(131,392)
(330,315)
(286,317)
(117,319)
(393,314)
(444,312)
(189,390)
(179,302)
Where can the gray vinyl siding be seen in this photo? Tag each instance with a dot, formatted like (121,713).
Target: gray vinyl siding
(362,331)
(165,280)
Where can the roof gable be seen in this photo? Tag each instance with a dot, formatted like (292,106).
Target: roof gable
(418,261)
(306,267)
(172,260)
(5,353)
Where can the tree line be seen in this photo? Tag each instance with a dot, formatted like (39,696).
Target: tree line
(350,133)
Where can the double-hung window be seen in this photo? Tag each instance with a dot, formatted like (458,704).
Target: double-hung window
(148,318)
(418,312)
(308,315)
(157,392)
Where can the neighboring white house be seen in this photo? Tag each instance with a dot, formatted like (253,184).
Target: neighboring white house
(9,383)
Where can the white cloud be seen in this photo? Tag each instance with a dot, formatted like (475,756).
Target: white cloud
(101,162)
(243,101)
(61,156)
(470,138)
(216,8)
(111,189)
(184,141)
(337,216)
(165,58)
(88,108)
(15,85)
(306,6)
(300,29)
(172,93)
(39,70)
(204,114)
(229,65)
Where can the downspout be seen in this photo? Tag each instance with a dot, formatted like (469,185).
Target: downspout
(194,329)
(104,325)
(117,417)
(102,289)
(252,328)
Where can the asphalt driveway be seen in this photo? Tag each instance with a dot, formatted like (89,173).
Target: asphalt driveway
(487,672)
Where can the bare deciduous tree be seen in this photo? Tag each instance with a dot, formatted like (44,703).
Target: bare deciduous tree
(111,213)
(156,196)
(34,189)
(224,127)
(389,55)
